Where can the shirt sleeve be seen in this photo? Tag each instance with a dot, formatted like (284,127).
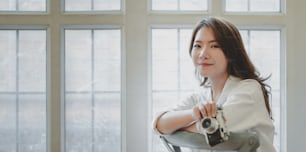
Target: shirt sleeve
(154,122)
(187,103)
(245,107)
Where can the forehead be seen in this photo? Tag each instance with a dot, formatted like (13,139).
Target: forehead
(205,34)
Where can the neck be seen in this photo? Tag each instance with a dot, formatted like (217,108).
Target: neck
(217,85)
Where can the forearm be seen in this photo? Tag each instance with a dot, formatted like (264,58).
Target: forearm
(174,120)
(191,128)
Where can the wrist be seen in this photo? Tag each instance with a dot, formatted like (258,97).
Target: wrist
(195,114)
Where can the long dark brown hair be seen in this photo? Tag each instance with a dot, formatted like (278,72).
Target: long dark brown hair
(239,63)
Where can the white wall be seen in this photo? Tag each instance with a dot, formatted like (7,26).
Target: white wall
(296,72)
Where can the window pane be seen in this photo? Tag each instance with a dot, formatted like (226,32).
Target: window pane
(78,122)
(78,60)
(8,46)
(164,61)
(236,5)
(252,5)
(92,90)
(107,60)
(107,4)
(32,5)
(77,5)
(8,5)
(193,5)
(265,5)
(23,5)
(32,53)
(266,54)
(23,90)
(107,122)
(164,4)
(32,123)
(180,5)
(92,5)
(8,127)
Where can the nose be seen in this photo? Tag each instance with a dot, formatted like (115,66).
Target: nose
(203,52)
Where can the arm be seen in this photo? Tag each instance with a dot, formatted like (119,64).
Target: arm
(169,122)
(172,121)
(192,128)
(182,117)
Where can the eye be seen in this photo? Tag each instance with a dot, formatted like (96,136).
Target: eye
(196,46)
(215,46)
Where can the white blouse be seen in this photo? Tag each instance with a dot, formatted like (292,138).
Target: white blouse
(243,108)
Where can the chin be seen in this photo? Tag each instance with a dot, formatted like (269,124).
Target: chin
(204,74)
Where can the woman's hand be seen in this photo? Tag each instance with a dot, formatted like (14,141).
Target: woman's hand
(204,110)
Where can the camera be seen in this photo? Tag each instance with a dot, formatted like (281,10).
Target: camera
(215,129)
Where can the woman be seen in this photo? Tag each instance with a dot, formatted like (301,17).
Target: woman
(229,80)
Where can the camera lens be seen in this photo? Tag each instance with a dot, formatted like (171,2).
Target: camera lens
(206,123)
(210,125)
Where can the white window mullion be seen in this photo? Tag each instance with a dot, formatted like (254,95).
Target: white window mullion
(17,92)
(178,63)
(92,85)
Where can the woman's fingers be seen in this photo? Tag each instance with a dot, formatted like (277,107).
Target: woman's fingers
(207,110)
(210,109)
(214,109)
(202,110)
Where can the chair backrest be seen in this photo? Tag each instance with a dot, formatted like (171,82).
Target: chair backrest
(241,142)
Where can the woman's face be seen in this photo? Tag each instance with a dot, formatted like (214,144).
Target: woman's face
(207,55)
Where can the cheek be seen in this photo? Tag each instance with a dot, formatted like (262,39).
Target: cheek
(220,60)
(223,64)
(194,58)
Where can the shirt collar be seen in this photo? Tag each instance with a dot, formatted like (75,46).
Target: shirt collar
(228,86)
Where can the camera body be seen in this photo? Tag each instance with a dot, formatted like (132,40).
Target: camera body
(215,129)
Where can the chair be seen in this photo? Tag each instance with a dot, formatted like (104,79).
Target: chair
(241,142)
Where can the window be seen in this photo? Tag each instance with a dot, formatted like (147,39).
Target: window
(23,89)
(179,5)
(253,6)
(92,5)
(85,75)
(92,89)
(23,6)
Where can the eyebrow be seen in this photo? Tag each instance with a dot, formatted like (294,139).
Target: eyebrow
(211,41)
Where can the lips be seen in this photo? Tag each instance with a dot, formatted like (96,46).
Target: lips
(205,64)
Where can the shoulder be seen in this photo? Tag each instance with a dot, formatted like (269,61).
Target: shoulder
(248,86)
(247,90)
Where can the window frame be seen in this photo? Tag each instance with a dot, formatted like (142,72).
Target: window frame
(121,11)
(17,12)
(122,77)
(151,11)
(281,12)
(47,70)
